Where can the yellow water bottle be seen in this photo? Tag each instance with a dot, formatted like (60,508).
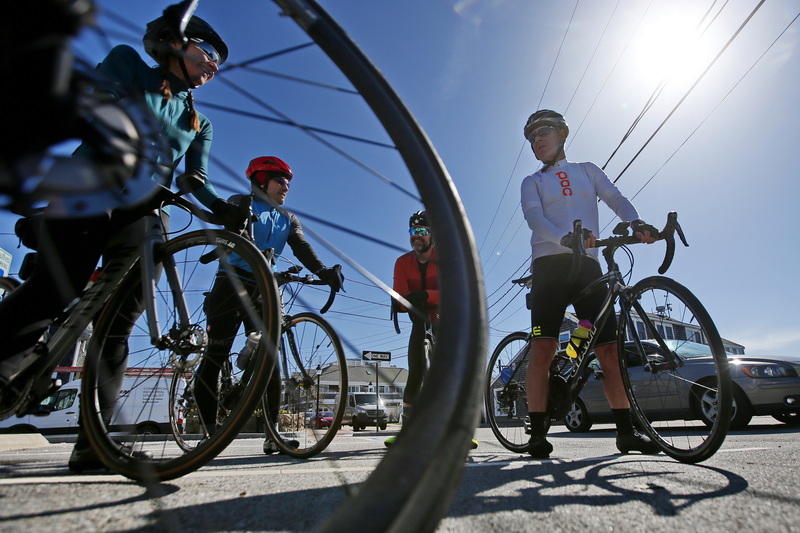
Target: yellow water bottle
(580,334)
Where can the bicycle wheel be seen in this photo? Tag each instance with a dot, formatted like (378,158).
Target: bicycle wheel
(161,383)
(506,400)
(670,401)
(311,352)
(415,482)
(7,285)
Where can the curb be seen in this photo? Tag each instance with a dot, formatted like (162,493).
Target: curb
(22,441)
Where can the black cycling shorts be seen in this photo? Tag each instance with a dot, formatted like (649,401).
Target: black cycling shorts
(551,294)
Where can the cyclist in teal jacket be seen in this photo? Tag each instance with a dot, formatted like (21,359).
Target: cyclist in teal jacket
(272,228)
(552,198)
(70,249)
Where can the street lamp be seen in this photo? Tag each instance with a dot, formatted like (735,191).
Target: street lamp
(319,373)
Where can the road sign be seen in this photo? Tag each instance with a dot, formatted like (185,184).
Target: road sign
(5,262)
(376,356)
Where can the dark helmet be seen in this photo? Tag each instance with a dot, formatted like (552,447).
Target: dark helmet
(545,117)
(420,218)
(159,30)
(271,165)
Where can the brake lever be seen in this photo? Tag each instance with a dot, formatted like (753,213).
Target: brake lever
(178,16)
(577,250)
(668,234)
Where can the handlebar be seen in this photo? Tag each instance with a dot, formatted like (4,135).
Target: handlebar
(622,238)
(292,276)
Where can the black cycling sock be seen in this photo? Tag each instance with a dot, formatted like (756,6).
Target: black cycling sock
(622,418)
(538,427)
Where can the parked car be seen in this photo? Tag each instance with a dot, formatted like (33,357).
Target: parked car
(323,419)
(761,386)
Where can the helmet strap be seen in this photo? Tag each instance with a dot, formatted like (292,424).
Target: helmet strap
(182,63)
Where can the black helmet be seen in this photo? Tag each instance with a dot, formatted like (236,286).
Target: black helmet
(545,117)
(420,218)
(158,30)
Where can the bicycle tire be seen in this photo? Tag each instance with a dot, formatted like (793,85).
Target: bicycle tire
(183,404)
(506,400)
(319,351)
(417,479)
(8,284)
(153,365)
(666,402)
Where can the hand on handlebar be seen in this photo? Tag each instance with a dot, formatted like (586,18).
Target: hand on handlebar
(333,277)
(644,231)
(589,239)
(233,217)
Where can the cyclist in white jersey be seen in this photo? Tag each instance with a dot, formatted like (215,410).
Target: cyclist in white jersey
(552,198)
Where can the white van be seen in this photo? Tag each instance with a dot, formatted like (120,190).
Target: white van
(364,409)
(143,406)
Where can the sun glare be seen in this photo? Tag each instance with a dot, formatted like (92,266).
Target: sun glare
(670,49)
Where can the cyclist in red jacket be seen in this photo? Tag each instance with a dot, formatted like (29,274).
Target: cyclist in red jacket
(416,279)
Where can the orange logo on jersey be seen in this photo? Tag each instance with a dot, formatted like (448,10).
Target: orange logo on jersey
(565,188)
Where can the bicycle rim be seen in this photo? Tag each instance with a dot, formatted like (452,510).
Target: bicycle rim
(685,410)
(314,355)
(415,482)
(161,380)
(506,399)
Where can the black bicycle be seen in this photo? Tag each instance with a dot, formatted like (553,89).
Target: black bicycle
(674,366)
(310,352)
(415,482)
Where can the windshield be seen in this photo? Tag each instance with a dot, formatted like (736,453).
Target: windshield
(689,349)
(367,399)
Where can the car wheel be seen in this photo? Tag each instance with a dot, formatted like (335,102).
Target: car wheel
(355,425)
(742,410)
(147,429)
(793,419)
(383,426)
(577,419)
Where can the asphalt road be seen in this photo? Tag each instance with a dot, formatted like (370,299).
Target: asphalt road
(751,485)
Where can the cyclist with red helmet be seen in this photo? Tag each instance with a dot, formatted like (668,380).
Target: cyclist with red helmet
(272,228)
(552,198)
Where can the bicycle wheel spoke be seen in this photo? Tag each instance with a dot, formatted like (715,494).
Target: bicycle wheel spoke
(182,399)
(682,401)
(506,399)
(313,355)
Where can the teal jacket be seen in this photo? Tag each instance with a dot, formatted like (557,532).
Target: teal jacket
(124,65)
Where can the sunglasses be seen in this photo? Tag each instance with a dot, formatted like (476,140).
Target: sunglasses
(282,181)
(419,231)
(210,52)
(541,132)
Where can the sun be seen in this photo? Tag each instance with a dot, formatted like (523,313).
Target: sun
(669,47)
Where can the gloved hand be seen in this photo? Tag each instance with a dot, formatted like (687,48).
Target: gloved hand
(418,299)
(568,239)
(333,277)
(642,227)
(233,218)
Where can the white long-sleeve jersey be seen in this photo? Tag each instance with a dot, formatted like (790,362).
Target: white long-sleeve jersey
(566,191)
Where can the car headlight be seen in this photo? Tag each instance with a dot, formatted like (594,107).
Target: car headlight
(360,410)
(768,370)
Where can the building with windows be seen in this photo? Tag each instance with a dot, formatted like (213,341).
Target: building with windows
(365,376)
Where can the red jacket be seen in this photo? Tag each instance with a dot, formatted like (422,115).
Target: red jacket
(407,279)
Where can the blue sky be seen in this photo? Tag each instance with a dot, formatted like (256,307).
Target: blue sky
(471,72)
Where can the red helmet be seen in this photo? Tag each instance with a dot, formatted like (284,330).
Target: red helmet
(269,164)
